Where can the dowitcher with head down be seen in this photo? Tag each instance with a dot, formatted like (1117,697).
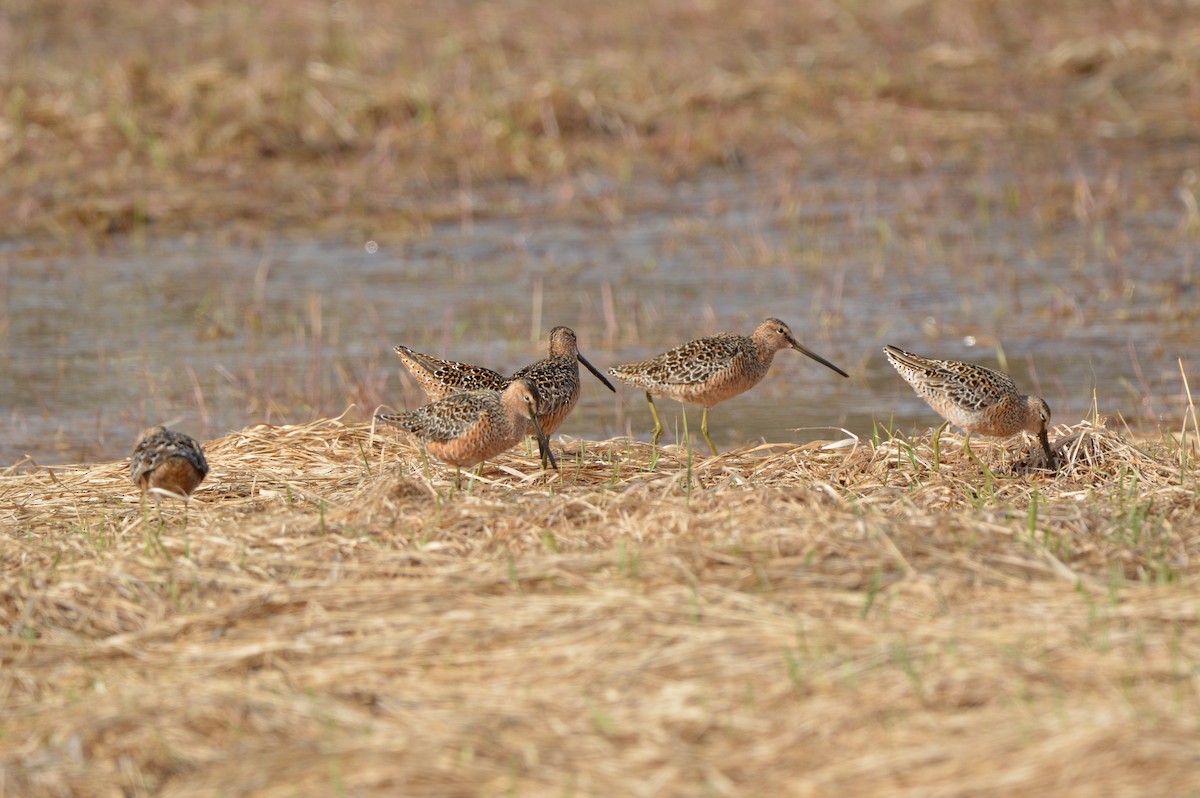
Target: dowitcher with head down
(977,399)
(465,429)
(167,463)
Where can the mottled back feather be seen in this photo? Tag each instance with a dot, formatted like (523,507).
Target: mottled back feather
(967,385)
(689,364)
(170,460)
(441,378)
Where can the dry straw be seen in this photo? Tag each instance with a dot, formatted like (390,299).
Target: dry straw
(334,618)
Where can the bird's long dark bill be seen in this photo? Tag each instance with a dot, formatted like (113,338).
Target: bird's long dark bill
(544,449)
(796,345)
(593,369)
(1044,437)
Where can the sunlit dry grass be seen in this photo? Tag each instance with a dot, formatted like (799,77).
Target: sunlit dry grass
(861,617)
(334,618)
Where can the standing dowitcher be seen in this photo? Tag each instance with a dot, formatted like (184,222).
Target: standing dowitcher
(710,370)
(167,463)
(977,399)
(556,377)
(465,429)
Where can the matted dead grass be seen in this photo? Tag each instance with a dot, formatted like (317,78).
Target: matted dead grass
(781,620)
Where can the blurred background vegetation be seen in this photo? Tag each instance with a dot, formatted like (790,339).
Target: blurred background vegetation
(171,116)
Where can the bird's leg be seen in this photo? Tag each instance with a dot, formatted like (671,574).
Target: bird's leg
(704,432)
(937,445)
(544,450)
(987,472)
(658,427)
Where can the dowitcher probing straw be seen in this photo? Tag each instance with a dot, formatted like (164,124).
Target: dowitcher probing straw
(556,377)
(710,370)
(465,429)
(167,463)
(977,399)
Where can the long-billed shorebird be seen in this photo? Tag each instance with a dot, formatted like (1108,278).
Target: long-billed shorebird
(556,377)
(465,429)
(167,463)
(977,399)
(710,370)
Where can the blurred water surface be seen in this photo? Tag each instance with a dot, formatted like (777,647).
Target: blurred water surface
(1095,296)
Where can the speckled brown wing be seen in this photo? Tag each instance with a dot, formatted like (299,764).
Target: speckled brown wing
(964,385)
(441,378)
(448,418)
(687,364)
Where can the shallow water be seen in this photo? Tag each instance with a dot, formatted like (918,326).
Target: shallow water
(1089,294)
